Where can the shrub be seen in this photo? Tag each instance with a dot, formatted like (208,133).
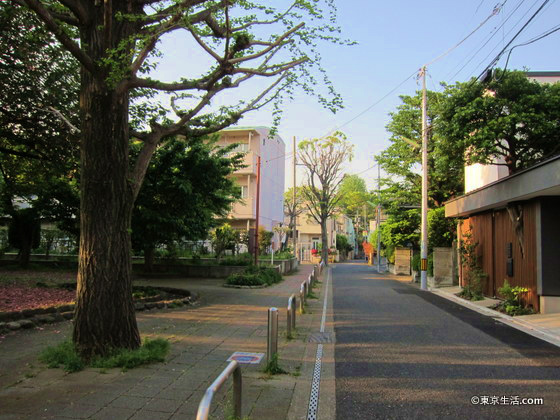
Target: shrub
(512,304)
(416,262)
(255,276)
(239,260)
(245,279)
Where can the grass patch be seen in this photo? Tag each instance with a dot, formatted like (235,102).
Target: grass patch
(66,357)
(312,295)
(272,367)
(297,371)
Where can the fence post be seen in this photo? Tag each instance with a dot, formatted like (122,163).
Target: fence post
(272,342)
(301,299)
(294,313)
(289,316)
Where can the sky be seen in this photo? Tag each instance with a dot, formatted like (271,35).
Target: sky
(394,39)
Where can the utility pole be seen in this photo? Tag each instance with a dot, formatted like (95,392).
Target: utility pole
(424,225)
(378,220)
(257,210)
(294,217)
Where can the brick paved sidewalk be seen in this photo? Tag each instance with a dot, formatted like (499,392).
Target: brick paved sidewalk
(203,337)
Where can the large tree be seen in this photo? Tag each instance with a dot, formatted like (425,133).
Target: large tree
(293,207)
(355,198)
(402,159)
(185,193)
(39,81)
(115,42)
(510,120)
(323,159)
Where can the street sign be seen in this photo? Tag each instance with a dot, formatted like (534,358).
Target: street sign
(246,358)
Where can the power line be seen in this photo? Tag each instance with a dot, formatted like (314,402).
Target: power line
(498,45)
(537,38)
(491,35)
(497,58)
(495,11)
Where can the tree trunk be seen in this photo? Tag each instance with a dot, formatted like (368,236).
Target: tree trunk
(104,317)
(324,242)
(24,255)
(149,259)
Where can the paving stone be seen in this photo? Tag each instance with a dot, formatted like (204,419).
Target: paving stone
(99,399)
(180,394)
(79,411)
(144,391)
(152,415)
(113,413)
(166,406)
(125,401)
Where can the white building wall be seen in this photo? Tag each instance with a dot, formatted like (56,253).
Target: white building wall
(479,175)
(272,151)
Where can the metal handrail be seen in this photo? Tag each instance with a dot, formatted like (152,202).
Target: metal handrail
(204,406)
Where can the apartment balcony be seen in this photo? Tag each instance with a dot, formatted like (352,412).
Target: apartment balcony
(243,210)
(250,160)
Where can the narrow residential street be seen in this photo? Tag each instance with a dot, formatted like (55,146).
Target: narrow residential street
(402,353)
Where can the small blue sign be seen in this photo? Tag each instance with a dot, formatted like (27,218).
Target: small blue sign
(246,358)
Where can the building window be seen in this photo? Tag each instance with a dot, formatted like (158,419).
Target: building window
(241,148)
(244,191)
(315,243)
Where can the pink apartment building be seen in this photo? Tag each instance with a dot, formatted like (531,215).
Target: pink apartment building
(254,142)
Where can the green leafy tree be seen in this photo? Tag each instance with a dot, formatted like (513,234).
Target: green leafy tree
(441,230)
(400,230)
(510,121)
(39,82)
(223,237)
(354,196)
(115,43)
(342,245)
(293,208)
(185,193)
(265,240)
(402,159)
(323,159)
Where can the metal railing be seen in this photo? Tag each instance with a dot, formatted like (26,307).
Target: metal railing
(291,315)
(204,406)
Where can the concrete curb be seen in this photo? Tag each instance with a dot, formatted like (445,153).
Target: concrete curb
(519,324)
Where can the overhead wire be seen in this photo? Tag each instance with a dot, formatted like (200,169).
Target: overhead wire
(535,39)
(497,58)
(491,35)
(501,44)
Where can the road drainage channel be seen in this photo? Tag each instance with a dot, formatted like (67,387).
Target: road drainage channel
(316,382)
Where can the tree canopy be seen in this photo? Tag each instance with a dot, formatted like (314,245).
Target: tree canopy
(323,159)
(354,196)
(116,44)
(185,193)
(511,120)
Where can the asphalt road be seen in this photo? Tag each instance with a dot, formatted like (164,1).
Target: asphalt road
(402,353)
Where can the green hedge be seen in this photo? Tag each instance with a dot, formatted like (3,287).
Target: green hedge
(255,276)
